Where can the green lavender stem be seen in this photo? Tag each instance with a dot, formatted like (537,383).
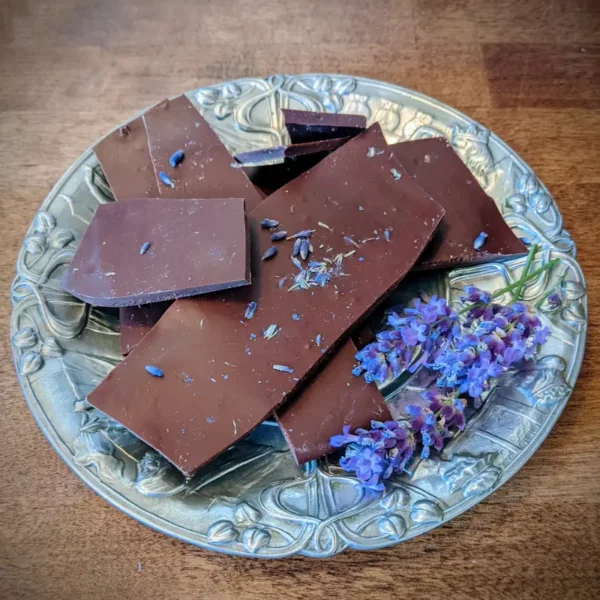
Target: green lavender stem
(519,289)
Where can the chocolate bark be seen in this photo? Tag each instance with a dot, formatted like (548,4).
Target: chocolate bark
(332,399)
(305,126)
(205,171)
(469,210)
(263,155)
(126,163)
(224,373)
(144,251)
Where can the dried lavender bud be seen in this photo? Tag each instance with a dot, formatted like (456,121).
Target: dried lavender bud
(296,248)
(396,174)
(295,316)
(304,249)
(154,371)
(270,253)
(250,310)
(269,223)
(176,158)
(166,180)
(145,247)
(283,368)
(480,240)
(306,233)
(278,236)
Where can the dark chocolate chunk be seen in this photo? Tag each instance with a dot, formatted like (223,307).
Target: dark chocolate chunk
(304,126)
(230,360)
(125,161)
(469,210)
(197,246)
(332,399)
(176,125)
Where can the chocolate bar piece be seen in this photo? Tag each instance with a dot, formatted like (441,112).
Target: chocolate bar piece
(125,161)
(204,172)
(469,210)
(332,399)
(226,362)
(136,253)
(305,126)
(263,155)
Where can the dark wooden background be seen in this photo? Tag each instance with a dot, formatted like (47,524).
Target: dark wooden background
(529,70)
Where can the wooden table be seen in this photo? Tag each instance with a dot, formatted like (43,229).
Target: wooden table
(528,70)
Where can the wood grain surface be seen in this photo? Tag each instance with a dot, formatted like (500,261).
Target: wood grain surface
(529,70)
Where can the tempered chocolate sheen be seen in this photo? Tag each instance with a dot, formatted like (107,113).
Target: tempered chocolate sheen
(305,126)
(332,399)
(218,382)
(469,210)
(144,251)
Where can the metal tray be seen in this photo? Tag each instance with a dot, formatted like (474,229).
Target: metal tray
(254,500)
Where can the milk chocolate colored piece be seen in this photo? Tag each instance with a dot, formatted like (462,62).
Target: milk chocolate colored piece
(305,126)
(137,321)
(125,161)
(222,374)
(206,170)
(332,399)
(142,251)
(469,210)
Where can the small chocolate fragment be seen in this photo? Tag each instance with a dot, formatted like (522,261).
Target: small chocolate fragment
(125,161)
(332,399)
(304,126)
(175,125)
(469,210)
(207,338)
(265,155)
(284,163)
(198,246)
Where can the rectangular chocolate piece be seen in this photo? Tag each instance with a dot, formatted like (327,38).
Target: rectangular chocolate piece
(305,126)
(469,210)
(224,373)
(265,155)
(206,170)
(125,161)
(142,251)
(332,399)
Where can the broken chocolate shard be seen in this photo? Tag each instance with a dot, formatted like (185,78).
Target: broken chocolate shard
(176,125)
(332,399)
(279,153)
(137,321)
(198,246)
(198,336)
(437,168)
(304,126)
(126,163)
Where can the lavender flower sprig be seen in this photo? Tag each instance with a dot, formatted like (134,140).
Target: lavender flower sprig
(467,347)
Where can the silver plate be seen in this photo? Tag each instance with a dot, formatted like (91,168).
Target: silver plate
(254,500)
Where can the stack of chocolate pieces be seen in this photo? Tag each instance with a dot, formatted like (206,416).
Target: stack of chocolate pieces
(325,229)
